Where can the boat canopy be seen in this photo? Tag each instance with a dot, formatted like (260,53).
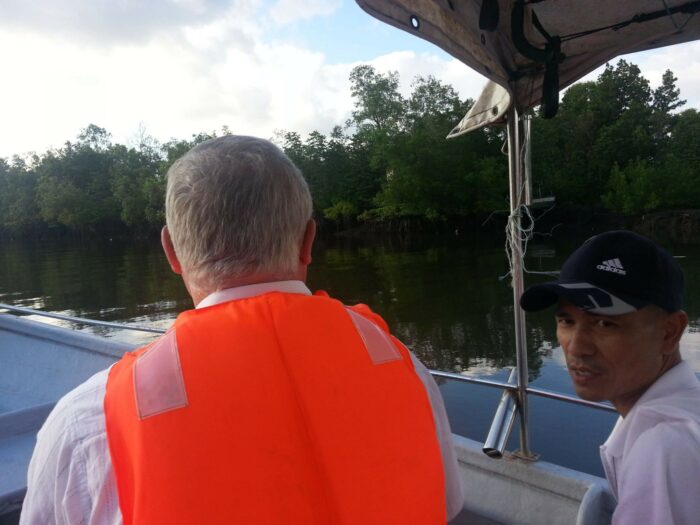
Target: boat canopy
(534,48)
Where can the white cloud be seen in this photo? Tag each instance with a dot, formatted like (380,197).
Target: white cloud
(214,74)
(683,60)
(61,87)
(287,11)
(194,78)
(238,27)
(231,69)
(102,22)
(176,84)
(451,71)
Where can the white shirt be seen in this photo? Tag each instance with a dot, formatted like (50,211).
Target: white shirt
(71,480)
(652,457)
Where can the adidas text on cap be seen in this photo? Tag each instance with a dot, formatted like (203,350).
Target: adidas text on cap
(613,273)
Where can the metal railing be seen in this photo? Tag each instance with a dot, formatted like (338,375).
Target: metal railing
(93,322)
(437,373)
(508,409)
(540,392)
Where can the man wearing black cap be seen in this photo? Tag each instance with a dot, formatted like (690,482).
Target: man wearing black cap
(619,322)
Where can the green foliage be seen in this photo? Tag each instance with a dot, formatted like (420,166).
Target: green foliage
(632,190)
(615,143)
(667,96)
(134,174)
(74,188)
(378,104)
(618,144)
(341,211)
(424,175)
(18,208)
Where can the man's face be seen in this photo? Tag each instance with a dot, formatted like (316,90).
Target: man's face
(613,358)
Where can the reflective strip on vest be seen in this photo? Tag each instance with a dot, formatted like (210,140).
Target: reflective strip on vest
(158,383)
(377,343)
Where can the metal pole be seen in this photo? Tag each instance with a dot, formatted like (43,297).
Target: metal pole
(527,158)
(540,392)
(497,439)
(517,189)
(81,320)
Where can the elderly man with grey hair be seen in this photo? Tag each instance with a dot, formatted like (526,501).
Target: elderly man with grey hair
(263,404)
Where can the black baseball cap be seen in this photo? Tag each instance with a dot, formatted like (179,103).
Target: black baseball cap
(613,273)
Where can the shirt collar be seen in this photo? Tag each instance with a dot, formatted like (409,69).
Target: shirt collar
(251,290)
(680,377)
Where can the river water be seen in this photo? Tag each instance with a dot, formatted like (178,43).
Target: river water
(444,297)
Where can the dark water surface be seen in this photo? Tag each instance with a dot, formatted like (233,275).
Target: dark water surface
(441,296)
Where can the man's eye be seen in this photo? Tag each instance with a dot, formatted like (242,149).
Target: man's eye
(604,323)
(563,321)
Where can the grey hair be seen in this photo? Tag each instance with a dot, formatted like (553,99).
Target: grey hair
(236,206)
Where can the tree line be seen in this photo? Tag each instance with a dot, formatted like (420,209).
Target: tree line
(615,143)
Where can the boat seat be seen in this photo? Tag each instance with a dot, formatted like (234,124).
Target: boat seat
(597,505)
(17,439)
(467,517)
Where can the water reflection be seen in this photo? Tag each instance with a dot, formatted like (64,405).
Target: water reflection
(113,281)
(443,297)
(444,300)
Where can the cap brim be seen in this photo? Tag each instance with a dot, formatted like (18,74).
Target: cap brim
(582,295)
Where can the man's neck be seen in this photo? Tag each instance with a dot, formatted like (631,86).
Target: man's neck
(624,405)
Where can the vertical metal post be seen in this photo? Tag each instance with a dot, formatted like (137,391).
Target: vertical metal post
(517,194)
(527,158)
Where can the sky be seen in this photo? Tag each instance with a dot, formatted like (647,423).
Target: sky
(172,68)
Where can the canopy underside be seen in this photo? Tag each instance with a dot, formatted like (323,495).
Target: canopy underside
(548,30)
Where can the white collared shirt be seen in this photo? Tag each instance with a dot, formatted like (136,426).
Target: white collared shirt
(71,480)
(652,457)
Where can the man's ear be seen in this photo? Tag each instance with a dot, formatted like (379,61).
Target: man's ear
(307,243)
(674,326)
(169,250)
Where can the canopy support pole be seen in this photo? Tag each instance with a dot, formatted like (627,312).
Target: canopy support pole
(518,185)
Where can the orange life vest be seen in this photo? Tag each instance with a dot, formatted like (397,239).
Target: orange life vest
(279,408)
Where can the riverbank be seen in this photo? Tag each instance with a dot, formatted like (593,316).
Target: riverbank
(681,226)
(678,226)
(667,226)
